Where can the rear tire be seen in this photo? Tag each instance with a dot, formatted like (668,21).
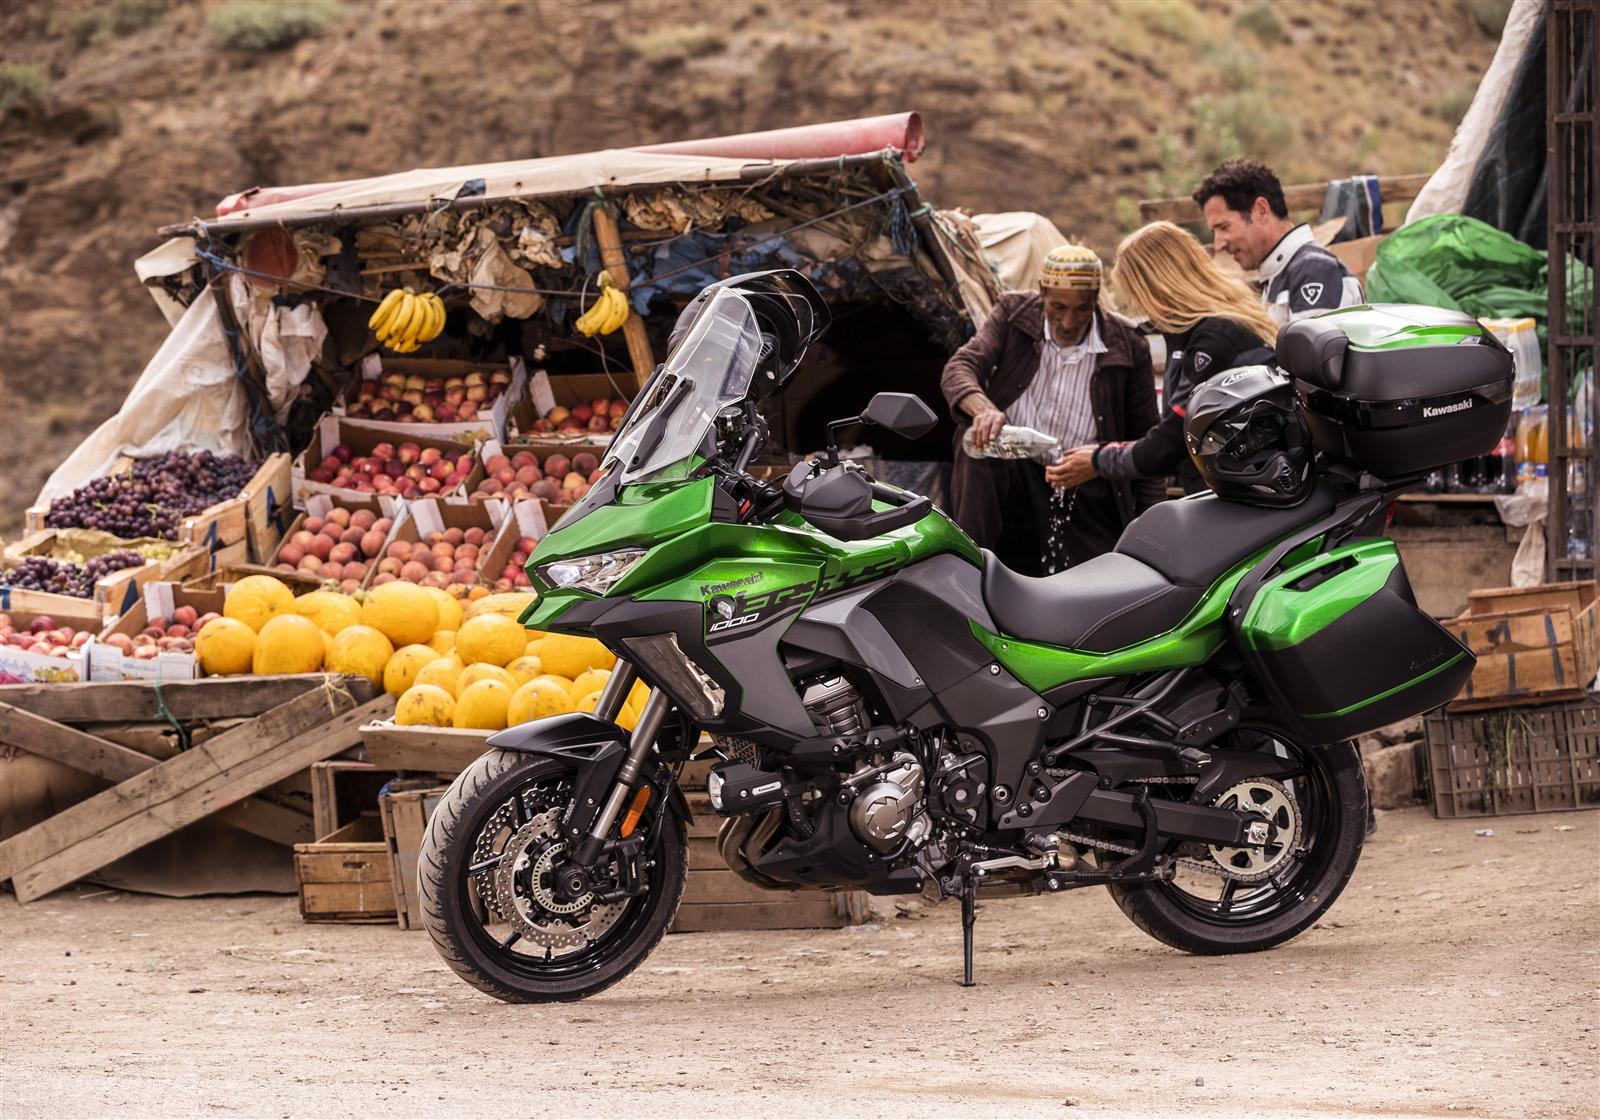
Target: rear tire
(454,914)
(1333,802)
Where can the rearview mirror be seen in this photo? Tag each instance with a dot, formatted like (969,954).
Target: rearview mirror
(904,414)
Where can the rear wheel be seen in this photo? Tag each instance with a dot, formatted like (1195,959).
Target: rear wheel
(488,894)
(1241,900)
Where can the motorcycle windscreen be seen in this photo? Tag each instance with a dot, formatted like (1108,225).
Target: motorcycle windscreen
(1339,642)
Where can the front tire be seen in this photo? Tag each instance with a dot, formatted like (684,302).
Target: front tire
(508,794)
(1331,793)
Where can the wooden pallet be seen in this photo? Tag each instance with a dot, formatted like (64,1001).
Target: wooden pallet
(288,723)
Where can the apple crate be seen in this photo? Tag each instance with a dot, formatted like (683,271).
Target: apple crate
(531,419)
(522,525)
(336,438)
(293,558)
(345,876)
(117,655)
(425,385)
(561,475)
(473,521)
(29,657)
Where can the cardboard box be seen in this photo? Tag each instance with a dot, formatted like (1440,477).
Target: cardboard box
(318,505)
(39,668)
(541,452)
(516,520)
(429,515)
(546,391)
(1531,642)
(224,578)
(361,439)
(159,600)
(486,425)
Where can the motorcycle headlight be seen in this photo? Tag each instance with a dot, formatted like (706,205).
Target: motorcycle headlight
(592,573)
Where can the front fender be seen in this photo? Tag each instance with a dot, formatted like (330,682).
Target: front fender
(593,749)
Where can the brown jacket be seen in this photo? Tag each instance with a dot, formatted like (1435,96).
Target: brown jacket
(1002,358)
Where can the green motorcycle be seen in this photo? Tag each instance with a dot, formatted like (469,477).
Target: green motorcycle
(894,711)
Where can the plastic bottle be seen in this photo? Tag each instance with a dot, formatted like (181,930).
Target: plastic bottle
(1521,337)
(1013,441)
(1533,448)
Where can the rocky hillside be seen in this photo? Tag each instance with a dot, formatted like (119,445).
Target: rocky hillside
(120,116)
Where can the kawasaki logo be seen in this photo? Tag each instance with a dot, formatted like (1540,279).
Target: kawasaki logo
(1445,409)
(714,588)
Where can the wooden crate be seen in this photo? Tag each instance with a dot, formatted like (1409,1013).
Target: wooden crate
(345,877)
(1522,759)
(426,750)
(342,790)
(220,578)
(1533,644)
(405,808)
(715,898)
(268,506)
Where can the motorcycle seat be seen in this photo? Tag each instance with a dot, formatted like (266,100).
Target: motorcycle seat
(1101,605)
(1194,540)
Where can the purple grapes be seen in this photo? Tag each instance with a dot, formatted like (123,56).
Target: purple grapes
(61,577)
(154,497)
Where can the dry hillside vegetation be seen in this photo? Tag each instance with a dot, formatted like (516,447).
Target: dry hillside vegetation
(116,118)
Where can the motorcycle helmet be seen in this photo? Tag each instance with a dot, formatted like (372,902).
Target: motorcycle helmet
(1248,439)
(789,312)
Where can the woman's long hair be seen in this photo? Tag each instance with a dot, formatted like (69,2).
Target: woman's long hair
(1164,275)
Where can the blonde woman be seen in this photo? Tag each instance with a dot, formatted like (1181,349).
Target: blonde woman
(1212,321)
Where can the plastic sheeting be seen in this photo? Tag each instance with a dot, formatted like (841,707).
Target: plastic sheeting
(1484,143)
(188,399)
(1461,263)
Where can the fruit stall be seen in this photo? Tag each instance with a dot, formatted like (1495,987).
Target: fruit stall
(303,539)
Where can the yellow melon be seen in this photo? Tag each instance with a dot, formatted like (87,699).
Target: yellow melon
(589,701)
(590,680)
(425,705)
(524,668)
(403,612)
(288,643)
(225,646)
(483,671)
(328,609)
(532,649)
(443,641)
(492,638)
(633,707)
(401,671)
(569,656)
(255,599)
(360,651)
(536,700)
(441,671)
(483,705)
(449,608)
(508,603)
(561,682)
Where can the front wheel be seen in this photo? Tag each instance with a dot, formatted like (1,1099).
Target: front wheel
(1241,900)
(488,895)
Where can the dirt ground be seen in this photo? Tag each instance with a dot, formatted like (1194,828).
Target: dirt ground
(1456,976)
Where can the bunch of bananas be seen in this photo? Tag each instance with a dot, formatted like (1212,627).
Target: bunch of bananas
(607,313)
(405,320)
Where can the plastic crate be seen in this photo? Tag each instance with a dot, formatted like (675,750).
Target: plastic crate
(1514,760)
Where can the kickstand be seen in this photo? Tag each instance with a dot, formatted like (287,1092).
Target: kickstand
(969,917)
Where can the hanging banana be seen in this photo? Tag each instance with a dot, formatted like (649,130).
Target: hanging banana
(405,320)
(608,312)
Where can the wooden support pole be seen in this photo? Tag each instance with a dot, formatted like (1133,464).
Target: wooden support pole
(609,238)
(182,790)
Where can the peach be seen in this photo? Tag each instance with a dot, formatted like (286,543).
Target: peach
(413,571)
(546,489)
(185,616)
(321,546)
(343,552)
(573,481)
(342,516)
(557,465)
(311,565)
(390,565)
(349,586)
(351,536)
(443,549)
(495,463)
(399,550)
(557,414)
(291,554)
(473,536)
(303,538)
(490,486)
(453,537)
(332,570)
(383,525)
(371,543)
(382,578)
(355,570)
(312,524)
(584,462)
(523,459)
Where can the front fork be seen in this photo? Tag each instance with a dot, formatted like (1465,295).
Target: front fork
(612,697)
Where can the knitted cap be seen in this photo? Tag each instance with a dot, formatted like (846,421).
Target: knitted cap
(1073,267)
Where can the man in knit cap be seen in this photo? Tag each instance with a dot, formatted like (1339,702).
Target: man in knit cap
(1057,361)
